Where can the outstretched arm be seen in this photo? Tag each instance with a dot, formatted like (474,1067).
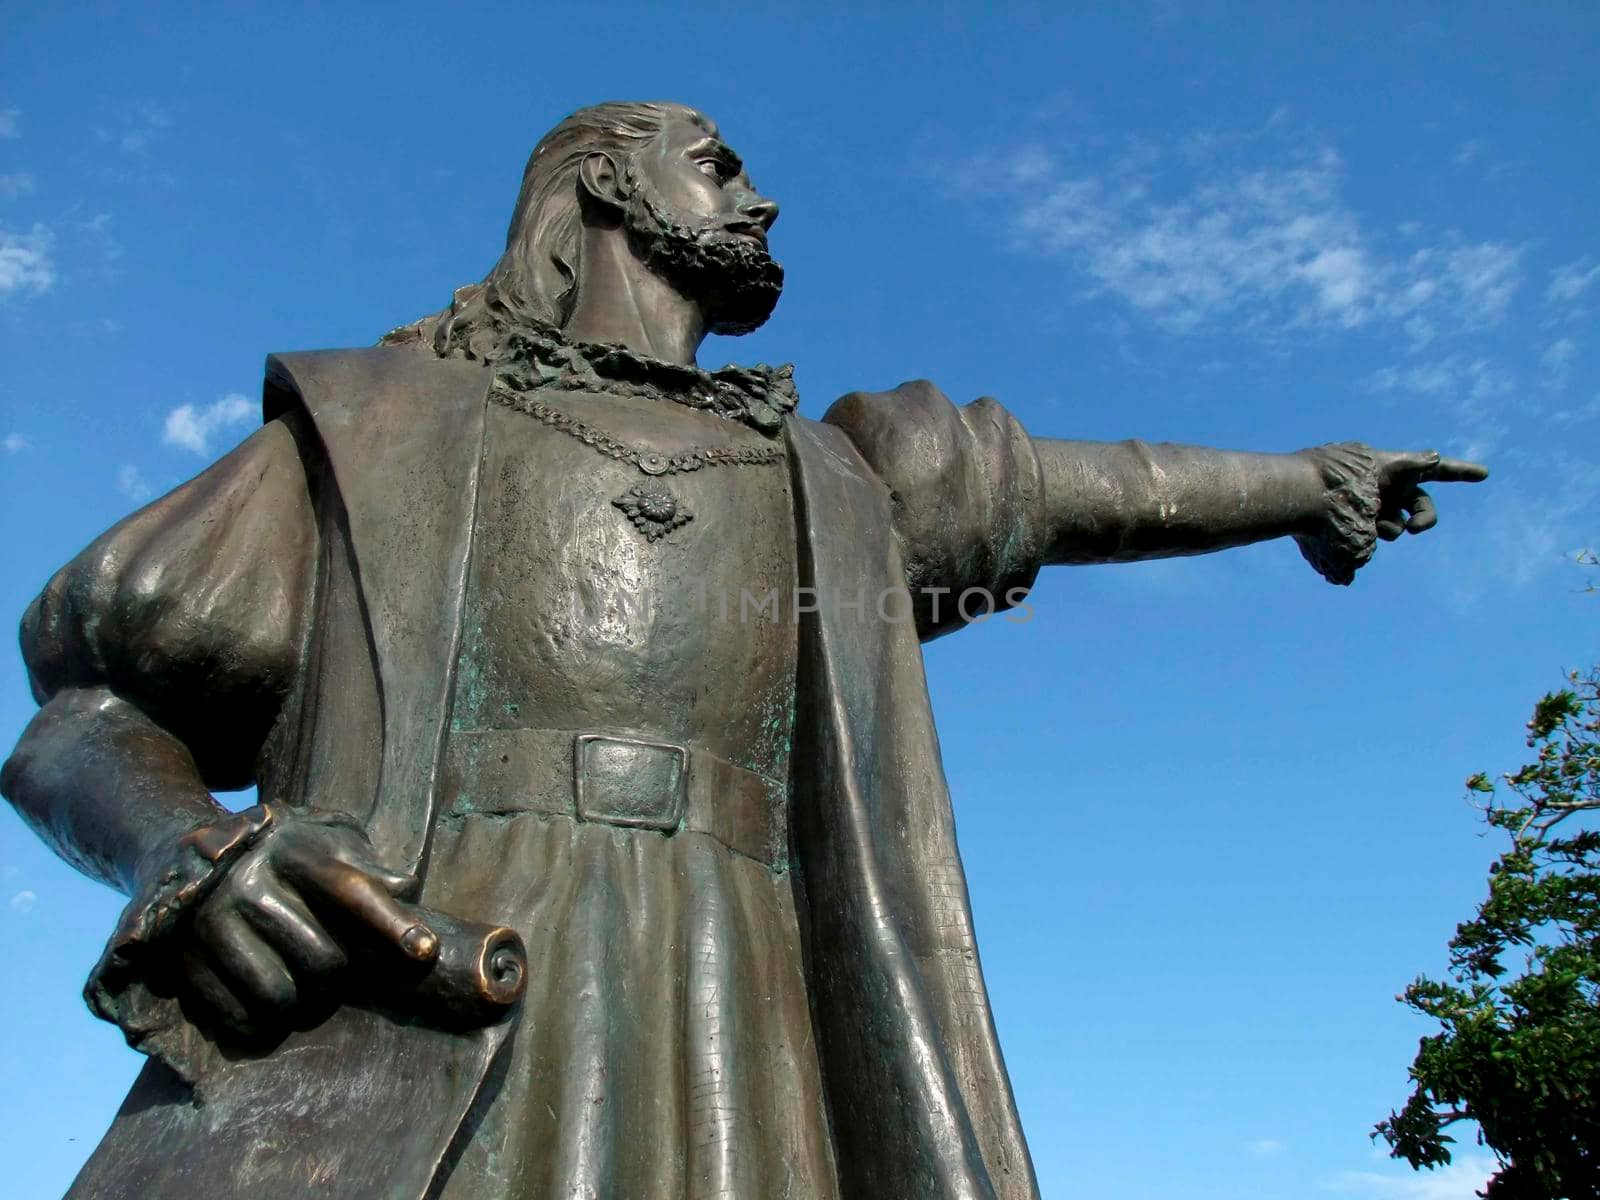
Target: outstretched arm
(1124,501)
(980,504)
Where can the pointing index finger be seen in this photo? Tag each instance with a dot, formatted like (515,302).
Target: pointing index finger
(1458,470)
(1406,465)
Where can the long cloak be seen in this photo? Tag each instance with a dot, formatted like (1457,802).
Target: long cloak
(919,1102)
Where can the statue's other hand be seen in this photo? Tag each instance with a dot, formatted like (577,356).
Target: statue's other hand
(289,915)
(1403,507)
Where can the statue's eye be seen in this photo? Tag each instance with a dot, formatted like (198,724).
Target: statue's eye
(715,168)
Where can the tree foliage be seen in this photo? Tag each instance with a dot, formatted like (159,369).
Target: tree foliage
(1519,1051)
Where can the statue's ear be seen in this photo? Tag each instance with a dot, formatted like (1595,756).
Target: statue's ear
(599,177)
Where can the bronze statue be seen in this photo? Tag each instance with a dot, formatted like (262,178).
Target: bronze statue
(603,847)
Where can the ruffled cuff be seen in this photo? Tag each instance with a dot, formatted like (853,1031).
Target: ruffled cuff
(1349,532)
(120,988)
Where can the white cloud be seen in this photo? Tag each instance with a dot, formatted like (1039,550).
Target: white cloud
(1484,276)
(131,483)
(1271,237)
(1468,152)
(1542,511)
(18,183)
(192,428)
(1265,1147)
(25,262)
(1556,362)
(1476,379)
(97,237)
(139,126)
(15,443)
(1458,1181)
(1587,411)
(23,901)
(1030,164)
(1423,379)
(1571,280)
(1479,394)
(1270,245)
(10,123)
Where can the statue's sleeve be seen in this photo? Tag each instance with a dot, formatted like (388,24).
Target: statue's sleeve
(161,657)
(979,505)
(1132,500)
(192,609)
(967,494)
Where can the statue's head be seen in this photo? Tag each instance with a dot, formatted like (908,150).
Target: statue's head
(658,172)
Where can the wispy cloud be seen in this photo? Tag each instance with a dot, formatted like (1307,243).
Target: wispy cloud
(18,183)
(133,135)
(1571,280)
(131,483)
(137,127)
(1268,237)
(15,443)
(1556,362)
(10,123)
(99,245)
(25,262)
(1269,245)
(1479,395)
(1541,518)
(1579,414)
(191,428)
(1479,278)
(1458,1181)
(1265,1148)
(23,901)
(1473,383)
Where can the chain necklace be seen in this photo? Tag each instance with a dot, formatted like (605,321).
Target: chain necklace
(651,462)
(653,509)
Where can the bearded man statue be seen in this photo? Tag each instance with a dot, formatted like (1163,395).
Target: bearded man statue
(603,847)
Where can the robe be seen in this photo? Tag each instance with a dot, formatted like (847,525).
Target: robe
(319,572)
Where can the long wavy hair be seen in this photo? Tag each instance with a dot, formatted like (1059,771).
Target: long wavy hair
(535,280)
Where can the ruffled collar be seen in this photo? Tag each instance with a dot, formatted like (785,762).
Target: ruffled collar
(539,357)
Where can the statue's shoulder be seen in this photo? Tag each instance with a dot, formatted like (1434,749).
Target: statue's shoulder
(898,429)
(915,402)
(333,384)
(895,433)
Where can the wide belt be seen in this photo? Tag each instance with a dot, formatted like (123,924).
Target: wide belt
(615,779)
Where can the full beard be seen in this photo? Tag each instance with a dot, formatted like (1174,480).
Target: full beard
(736,282)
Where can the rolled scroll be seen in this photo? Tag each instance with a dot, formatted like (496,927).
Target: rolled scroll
(479,975)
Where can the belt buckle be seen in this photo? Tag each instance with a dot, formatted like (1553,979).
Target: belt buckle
(629,781)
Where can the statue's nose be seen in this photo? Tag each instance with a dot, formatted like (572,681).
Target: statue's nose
(758,208)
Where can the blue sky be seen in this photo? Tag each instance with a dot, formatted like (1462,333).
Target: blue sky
(1211,808)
